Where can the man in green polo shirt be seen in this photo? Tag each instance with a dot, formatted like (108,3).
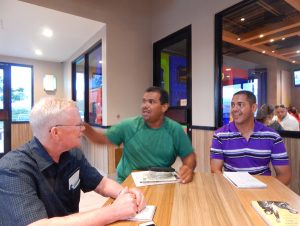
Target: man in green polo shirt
(149,140)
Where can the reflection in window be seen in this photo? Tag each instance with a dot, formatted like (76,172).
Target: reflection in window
(236,79)
(258,50)
(174,73)
(80,93)
(1,137)
(21,96)
(95,87)
(87,84)
(1,88)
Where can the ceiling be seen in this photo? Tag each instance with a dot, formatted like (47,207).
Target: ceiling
(21,26)
(271,27)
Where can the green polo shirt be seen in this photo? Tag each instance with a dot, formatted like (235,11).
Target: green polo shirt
(144,147)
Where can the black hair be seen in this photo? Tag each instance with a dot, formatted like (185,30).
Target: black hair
(164,96)
(250,96)
(263,112)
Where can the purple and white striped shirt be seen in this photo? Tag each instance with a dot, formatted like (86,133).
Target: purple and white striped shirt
(253,156)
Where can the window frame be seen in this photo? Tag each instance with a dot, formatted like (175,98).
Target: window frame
(219,63)
(85,56)
(184,33)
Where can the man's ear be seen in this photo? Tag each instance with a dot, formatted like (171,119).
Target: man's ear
(254,107)
(165,107)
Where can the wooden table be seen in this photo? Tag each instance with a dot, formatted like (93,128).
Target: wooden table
(210,200)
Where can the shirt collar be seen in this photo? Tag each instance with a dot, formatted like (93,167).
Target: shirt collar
(257,126)
(41,156)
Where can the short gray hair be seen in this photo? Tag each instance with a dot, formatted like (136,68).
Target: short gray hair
(48,112)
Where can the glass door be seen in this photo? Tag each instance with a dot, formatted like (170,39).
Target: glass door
(172,72)
(4,112)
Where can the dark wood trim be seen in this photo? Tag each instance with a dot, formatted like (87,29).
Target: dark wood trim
(184,33)
(85,56)
(210,128)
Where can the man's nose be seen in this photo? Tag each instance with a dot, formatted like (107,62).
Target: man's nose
(234,108)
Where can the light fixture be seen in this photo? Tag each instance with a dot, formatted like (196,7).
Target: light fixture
(100,61)
(283,39)
(242,19)
(47,32)
(263,51)
(293,61)
(261,35)
(38,52)
(49,83)
(228,69)
(298,51)
(238,39)
(272,40)
(273,51)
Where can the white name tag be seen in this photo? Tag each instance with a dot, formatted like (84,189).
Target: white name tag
(74,180)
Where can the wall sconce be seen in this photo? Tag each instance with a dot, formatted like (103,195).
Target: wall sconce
(49,83)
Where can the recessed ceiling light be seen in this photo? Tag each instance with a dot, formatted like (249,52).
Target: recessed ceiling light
(47,32)
(38,52)
(261,35)
(298,51)
(273,51)
(238,39)
(242,19)
(263,51)
(293,61)
(283,39)
(272,40)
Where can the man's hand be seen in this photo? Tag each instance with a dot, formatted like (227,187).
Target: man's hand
(125,205)
(186,174)
(140,199)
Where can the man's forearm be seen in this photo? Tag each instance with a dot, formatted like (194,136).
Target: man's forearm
(190,161)
(216,165)
(95,136)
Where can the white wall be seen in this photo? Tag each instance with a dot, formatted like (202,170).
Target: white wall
(132,26)
(101,35)
(129,48)
(40,68)
(172,15)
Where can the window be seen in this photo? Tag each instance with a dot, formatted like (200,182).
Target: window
(21,93)
(16,97)
(257,50)
(172,60)
(87,84)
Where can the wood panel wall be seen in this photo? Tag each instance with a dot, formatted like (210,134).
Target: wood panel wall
(20,134)
(103,157)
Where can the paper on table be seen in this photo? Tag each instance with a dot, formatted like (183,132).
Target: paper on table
(277,212)
(243,180)
(141,179)
(145,215)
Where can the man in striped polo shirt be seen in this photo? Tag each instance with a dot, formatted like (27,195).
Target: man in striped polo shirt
(248,145)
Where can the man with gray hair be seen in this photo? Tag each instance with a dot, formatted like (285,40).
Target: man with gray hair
(40,182)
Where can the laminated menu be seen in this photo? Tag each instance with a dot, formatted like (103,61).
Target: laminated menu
(277,213)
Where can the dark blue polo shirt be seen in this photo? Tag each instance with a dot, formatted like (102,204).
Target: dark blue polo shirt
(33,186)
